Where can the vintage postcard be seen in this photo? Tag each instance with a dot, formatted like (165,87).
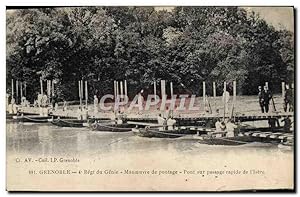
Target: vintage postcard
(152,98)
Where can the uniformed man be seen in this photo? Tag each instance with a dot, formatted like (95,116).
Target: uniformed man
(7,100)
(293,96)
(39,100)
(79,113)
(225,99)
(15,108)
(53,101)
(44,100)
(65,107)
(261,99)
(161,122)
(140,100)
(267,96)
(96,102)
(13,101)
(230,129)
(288,99)
(23,101)
(84,113)
(119,120)
(218,125)
(220,128)
(10,109)
(56,106)
(170,123)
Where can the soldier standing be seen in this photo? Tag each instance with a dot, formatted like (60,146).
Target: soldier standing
(79,113)
(65,107)
(7,100)
(225,99)
(161,122)
(288,99)
(261,99)
(96,102)
(266,99)
(39,100)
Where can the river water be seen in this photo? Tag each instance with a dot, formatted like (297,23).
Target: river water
(46,139)
(125,150)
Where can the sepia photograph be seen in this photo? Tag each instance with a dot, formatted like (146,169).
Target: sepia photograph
(150,98)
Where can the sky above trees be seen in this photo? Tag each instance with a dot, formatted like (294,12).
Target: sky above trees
(279,17)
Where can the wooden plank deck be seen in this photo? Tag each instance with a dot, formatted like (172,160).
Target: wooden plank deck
(269,135)
(240,117)
(195,117)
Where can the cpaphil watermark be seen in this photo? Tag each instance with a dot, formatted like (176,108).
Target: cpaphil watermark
(182,102)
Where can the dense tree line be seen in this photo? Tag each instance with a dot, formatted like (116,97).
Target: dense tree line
(187,45)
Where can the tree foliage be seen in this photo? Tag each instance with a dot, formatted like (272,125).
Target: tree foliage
(187,45)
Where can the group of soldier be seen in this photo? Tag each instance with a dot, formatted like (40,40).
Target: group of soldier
(166,120)
(41,101)
(226,127)
(265,97)
(12,106)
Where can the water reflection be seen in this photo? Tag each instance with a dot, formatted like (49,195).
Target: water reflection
(46,139)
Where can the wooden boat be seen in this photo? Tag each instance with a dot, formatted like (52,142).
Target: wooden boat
(220,138)
(223,140)
(31,118)
(262,129)
(125,127)
(159,133)
(68,122)
(10,116)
